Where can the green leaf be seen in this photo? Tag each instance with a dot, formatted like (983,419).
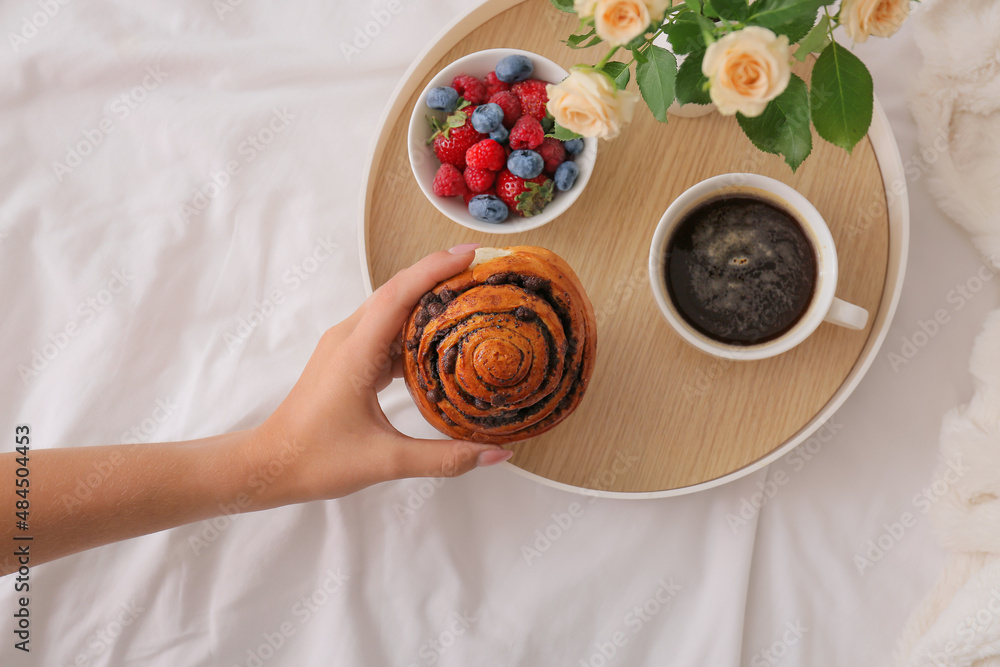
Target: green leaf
(815,41)
(783,128)
(619,72)
(841,97)
(684,34)
(693,5)
(707,27)
(562,134)
(564,5)
(691,83)
(575,41)
(733,10)
(640,56)
(656,80)
(775,13)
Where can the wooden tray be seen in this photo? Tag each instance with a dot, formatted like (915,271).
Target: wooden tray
(660,418)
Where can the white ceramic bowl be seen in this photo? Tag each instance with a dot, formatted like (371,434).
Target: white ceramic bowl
(425,164)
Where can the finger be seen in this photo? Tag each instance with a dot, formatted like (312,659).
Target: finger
(387,309)
(444,458)
(397,367)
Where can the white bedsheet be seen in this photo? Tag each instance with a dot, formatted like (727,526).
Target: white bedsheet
(168,278)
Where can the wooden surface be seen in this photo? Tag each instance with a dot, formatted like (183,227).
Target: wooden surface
(658,414)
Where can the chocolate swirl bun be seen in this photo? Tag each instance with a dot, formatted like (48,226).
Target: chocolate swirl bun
(504,350)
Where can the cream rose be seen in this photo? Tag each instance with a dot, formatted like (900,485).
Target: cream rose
(584,8)
(587,102)
(621,21)
(747,69)
(881,18)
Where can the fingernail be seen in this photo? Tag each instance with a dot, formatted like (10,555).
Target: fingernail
(463,248)
(491,457)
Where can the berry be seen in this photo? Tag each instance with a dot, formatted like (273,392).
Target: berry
(533,97)
(470,88)
(553,153)
(500,135)
(524,197)
(494,85)
(566,175)
(486,154)
(573,146)
(451,143)
(511,106)
(488,208)
(487,118)
(526,164)
(514,68)
(442,98)
(526,133)
(479,180)
(448,182)
(469,195)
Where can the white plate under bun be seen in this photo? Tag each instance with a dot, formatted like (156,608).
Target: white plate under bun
(425,164)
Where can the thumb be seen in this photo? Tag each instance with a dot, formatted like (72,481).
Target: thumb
(445,458)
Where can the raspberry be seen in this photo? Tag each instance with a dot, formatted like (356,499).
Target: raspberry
(486,154)
(470,88)
(511,107)
(478,180)
(448,182)
(495,85)
(553,153)
(526,133)
(532,95)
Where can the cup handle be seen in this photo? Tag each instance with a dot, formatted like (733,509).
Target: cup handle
(847,315)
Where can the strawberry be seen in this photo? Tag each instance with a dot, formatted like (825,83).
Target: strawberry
(448,182)
(511,107)
(452,139)
(532,95)
(553,152)
(470,88)
(495,85)
(486,154)
(524,197)
(526,133)
(479,180)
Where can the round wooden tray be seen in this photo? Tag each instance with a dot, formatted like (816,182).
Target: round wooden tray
(659,418)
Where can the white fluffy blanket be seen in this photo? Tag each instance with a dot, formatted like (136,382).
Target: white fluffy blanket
(957,109)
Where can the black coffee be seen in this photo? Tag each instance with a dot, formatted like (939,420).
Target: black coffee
(740,269)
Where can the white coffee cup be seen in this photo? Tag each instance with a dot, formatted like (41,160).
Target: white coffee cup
(824,306)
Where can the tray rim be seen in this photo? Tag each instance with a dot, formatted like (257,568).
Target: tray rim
(898,210)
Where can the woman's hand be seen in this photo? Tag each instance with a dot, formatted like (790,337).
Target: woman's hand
(329,437)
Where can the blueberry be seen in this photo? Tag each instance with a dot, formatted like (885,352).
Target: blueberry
(488,208)
(566,174)
(573,146)
(487,117)
(500,135)
(525,164)
(442,98)
(514,68)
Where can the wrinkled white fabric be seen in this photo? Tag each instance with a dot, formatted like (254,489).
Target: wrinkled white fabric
(145,320)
